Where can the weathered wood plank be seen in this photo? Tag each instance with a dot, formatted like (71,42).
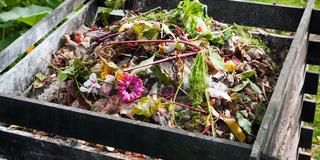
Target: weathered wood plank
(22,145)
(20,45)
(311,83)
(308,110)
(126,134)
(306,137)
(16,80)
(246,13)
(284,90)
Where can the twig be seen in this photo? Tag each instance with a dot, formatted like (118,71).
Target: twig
(155,41)
(162,60)
(188,107)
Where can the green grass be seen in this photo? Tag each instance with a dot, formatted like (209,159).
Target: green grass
(288,2)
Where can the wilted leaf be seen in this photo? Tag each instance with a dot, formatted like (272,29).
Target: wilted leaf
(247,74)
(166,30)
(146,107)
(145,31)
(216,59)
(235,128)
(244,123)
(147,61)
(259,109)
(240,86)
(161,75)
(255,88)
(41,76)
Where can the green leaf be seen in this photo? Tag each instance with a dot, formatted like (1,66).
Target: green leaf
(216,59)
(146,107)
(259,109)
(197,79)
(34,19)
(30,14)
(41,76)
(247,74)
(62,76)
(240,86)
(147,61)
(145,31)
(244,123)
(255,88)
(163,77)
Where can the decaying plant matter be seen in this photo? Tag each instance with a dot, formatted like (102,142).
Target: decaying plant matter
(177,68)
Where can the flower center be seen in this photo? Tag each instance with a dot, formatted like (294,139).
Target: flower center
(130,88)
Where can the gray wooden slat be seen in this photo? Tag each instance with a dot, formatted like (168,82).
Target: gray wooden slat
(306,137)
(22,145)
(121,133)
(294,62)
(246,13)
(20,45)
(304,156)
(16,80)
(311,83)
(308,110)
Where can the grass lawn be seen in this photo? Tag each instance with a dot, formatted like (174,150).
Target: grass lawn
(289,2)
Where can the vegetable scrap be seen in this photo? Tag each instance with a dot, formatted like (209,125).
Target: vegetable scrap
(177,68)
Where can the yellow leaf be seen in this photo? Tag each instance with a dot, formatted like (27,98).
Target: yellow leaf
(235,128)
(119,75)
(30,49)
(106,70)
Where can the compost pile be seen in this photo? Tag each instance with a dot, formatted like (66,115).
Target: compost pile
(177,68)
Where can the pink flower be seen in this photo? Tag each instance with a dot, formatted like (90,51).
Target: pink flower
(91,85)
(130,87)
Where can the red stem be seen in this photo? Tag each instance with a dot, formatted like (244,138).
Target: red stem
(101,39)
(105,36)
(156,41)
(162,60)
(206,130)
(190,107)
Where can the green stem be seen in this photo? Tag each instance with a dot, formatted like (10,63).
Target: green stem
(52,65)
(3,33)
(211,111)
(143,14)
(177,91)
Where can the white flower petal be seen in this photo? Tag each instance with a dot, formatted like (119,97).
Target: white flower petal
(83,89)
(109,79)
(87,83)
(93,77)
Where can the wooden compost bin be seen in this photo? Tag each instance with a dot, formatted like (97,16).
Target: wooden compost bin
(278,136)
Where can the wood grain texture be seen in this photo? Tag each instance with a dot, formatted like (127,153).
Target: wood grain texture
(25,41)
(22,145)
(16,80)
(286,96)
(121,133)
